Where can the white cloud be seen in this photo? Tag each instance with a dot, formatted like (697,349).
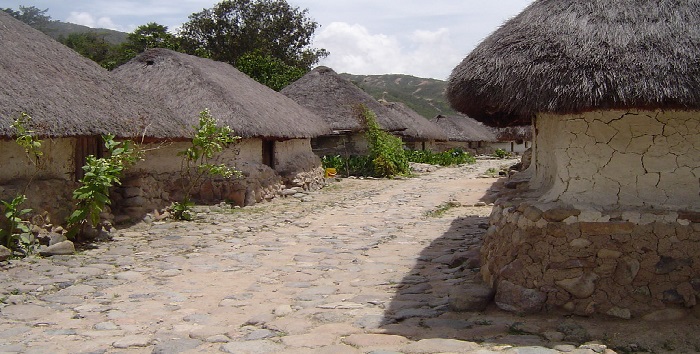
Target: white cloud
(86,19)
(355,50)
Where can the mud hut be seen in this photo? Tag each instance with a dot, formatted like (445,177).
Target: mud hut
(465,133)
(421,133)
(275,150)
(335,99)
(610,221)
(72,101)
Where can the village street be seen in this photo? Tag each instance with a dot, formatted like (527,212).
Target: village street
(362,266)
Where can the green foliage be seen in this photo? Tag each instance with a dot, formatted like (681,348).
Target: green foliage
(25,138)
(233,28)
(349,166)
(100,175)
(501,154)
(386,150)
(15,233)
(209,139)
(268,70)
(442,209)
(445,158)
(151,35)
(30,15)
(93,46)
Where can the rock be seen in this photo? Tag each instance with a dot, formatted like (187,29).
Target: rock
(471,297)
(61,248)
(259,334)
(105,326)
(532,213)
(606,228)
(5,253)
(626,271)
(596,347)
(55,238)
(374,340)
(620,313)
(670,314)
(559,214)
(515,298)
(176,346)
(580,243)
(132,341)
(573,332)
(581,287)
(427,346)
(283,310)
(252,347)
(553,336)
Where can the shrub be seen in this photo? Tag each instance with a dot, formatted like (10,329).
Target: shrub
(445,158)
(386,151)
(501,154)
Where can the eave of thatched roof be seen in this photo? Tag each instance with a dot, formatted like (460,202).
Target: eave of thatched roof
(67,94)
(514,133)
(462,128)
(572,56)
(335,99)
(187,85)
(419,127)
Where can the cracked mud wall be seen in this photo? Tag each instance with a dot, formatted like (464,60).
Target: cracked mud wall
(631,158)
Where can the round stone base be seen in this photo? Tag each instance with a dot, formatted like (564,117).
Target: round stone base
(624,263)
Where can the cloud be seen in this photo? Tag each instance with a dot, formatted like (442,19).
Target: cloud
(356,50)
(86,19)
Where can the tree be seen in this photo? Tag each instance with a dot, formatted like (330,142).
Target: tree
(269,71)
(92,46)
(31,15)
(233,28)
(151,35)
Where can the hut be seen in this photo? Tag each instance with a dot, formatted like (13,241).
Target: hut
(465,133)
(610,220)
(336,99)
(274,153)
(72,102)
(421,133)
(515,140)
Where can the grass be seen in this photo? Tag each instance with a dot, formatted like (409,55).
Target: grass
(442,209)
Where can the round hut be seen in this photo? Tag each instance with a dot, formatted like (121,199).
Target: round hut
(610,221)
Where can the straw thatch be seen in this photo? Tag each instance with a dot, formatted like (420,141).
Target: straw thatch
(187,84)
(464,129)
(335,99)
(419,127)
(572,56)
(66,94)
(514,133)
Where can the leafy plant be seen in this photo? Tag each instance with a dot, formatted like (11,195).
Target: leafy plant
(446,158)
(209,139)
(100,175)
(386,150)
(14,231)
(501,154)
(442,209)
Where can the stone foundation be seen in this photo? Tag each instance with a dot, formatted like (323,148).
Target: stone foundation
(631,263)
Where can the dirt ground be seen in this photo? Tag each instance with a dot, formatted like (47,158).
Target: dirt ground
(361,266)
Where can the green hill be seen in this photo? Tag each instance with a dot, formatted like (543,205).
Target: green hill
(424,96)
(58,29)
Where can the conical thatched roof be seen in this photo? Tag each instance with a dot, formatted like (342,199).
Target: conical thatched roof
(66,94)
(462,128)
(419,127)
(570,56)
(187,85)
(514,133)
(335,99)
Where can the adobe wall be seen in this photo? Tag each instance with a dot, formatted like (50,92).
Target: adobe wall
(298,165)
(51,190)
(343,144)
(609,222)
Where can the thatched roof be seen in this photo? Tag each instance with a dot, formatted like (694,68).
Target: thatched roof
(335,99)
(514,133)
(419,127)
(67,94)
(462,128)
(572,56)
(187,85)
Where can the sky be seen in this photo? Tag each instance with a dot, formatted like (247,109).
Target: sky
(424,38)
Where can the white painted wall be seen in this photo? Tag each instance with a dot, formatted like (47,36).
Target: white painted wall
(511,146)
(57,160)
(619,158)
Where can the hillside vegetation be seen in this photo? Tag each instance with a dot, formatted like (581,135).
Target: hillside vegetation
(58,30)
(424,96)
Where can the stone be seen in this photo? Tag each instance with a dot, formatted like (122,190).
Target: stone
(374,340)
(670,314)
(252,347)
(174,346)
(439,345)
(61,248)
(259,334)
(626,270)
(606,253)
(580,243)
(688,293)
(532,213)
(105,326)
(470,297)
(5,253)
(516,298)
(132,341)
(580,287)
(606,228)
(55,238)
(620,313)
(559,214)
(283,310)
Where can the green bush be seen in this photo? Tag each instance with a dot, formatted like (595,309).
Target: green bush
(501,154)
(445,158)
(386,151)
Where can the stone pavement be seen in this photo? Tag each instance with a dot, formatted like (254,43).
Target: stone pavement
(362,266)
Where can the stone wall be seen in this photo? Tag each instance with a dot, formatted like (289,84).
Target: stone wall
(640,158)
(631,263)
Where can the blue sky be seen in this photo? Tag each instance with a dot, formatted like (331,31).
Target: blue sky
(415,37)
